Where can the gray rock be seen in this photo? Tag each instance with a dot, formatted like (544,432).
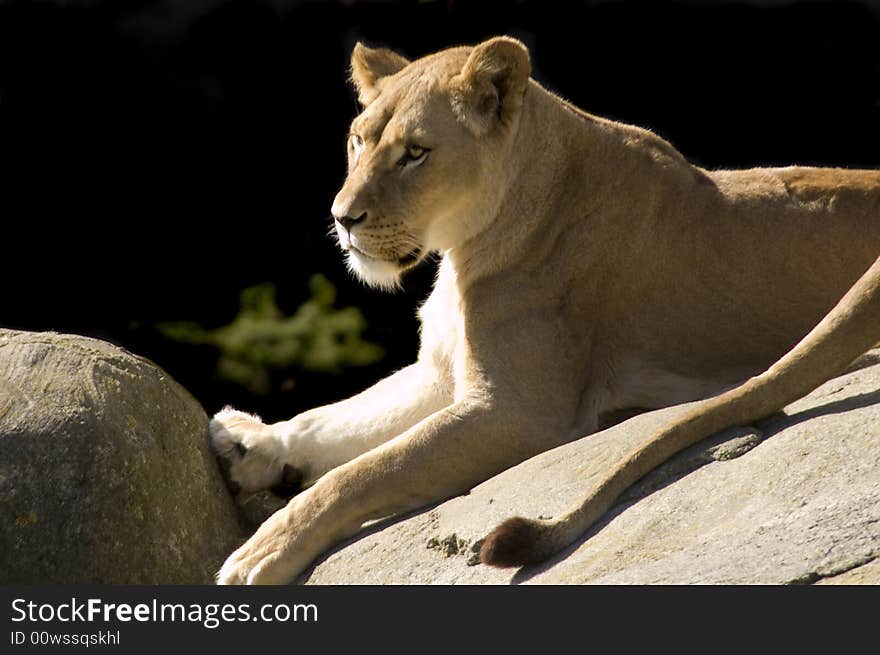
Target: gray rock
(106,477)
(105,471)
(864,573)
(793,500)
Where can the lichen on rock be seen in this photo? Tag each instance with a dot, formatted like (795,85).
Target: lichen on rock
(105,471)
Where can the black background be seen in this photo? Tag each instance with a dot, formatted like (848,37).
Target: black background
(157,157)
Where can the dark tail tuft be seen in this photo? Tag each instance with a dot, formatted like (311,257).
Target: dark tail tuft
(513,543)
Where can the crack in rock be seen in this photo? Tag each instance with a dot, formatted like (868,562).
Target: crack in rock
(814,576)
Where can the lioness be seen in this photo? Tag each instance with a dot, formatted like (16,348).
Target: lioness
(586,267)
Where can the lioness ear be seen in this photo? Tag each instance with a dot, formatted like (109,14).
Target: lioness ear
(369,66)
(492,83)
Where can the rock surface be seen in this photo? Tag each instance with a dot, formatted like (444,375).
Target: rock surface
(106,477)
(105,471)
(794,500)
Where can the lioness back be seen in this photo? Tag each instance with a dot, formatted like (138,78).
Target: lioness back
(587,267)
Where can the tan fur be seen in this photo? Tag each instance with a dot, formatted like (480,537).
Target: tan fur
(587,268)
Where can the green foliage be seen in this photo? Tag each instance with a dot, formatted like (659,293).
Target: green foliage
(317,338)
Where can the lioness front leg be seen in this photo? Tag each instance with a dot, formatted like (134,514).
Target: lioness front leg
(446,454)
(257,456)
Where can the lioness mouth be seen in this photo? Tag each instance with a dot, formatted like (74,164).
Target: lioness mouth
(407,260)
(410,258)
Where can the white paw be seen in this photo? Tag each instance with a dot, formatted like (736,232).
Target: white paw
(232,430)
(252,456)
(270,556)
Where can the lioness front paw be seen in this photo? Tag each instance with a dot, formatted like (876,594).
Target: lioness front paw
(253,458)
(269,557)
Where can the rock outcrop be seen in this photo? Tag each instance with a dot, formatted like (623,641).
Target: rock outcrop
(795,499)
(106,477)
(105,471)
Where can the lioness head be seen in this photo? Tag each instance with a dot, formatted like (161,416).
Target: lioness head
(425,154)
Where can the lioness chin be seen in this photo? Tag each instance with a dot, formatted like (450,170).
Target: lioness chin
(586,268)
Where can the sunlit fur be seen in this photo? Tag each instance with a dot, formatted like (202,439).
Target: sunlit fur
(384,275)
(586,267)
(422,205)
(252,462)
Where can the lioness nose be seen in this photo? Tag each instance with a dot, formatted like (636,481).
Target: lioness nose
(349,222)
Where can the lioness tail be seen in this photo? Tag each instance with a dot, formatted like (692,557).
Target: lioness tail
(850,329)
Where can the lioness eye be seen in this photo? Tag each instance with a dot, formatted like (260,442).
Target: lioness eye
(413,155)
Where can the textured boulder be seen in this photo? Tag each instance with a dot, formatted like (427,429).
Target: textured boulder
(106,477)
(105,471)
(795,499)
